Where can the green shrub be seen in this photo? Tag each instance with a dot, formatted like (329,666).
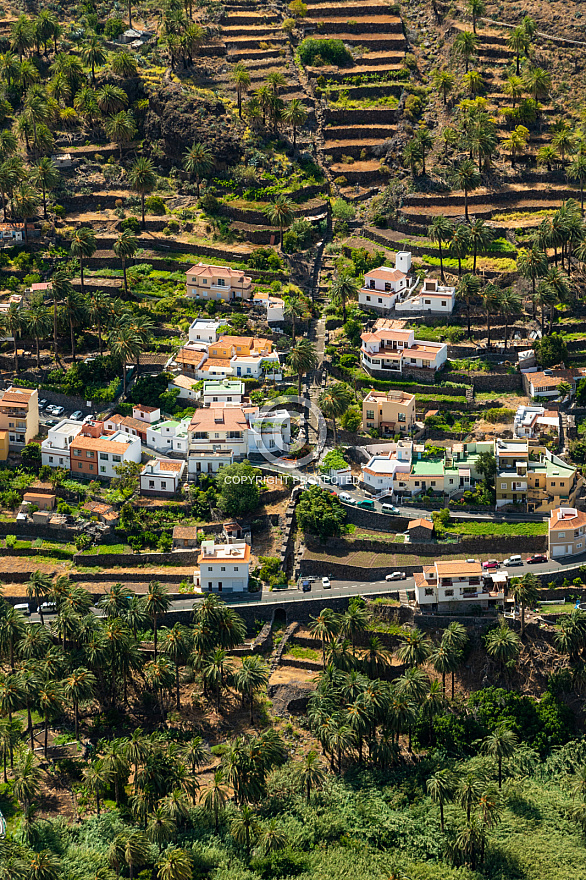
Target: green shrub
(155,205)
(132,224)
(114,27)
(327,51)
(342,210)
(413,107)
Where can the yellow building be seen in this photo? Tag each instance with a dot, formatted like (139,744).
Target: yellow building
(390,412)
(19,415)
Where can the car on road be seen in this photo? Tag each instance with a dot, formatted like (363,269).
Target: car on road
(366,504)
(490,564)
(396,576)
(537,558)
(312,481)
(389,508)
(77,415)
(347,499)
(326,583)
(513,560)
(306,586)
(43,403)
(48,608)
(23,607)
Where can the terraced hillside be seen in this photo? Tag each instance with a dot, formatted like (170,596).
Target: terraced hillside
(362,97)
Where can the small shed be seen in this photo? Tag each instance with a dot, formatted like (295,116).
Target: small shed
(185,538)
(420,529)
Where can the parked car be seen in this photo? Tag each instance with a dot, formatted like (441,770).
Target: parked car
(513,560)
(490,564)
(23,607)
(48,608)
(347,499)
(88,419)
(50,423)
(366,503)
(58,410)
(326,583)
(43,403)
(536,558)
(306,586)
(396,576)
(51,407)
(389,508)
(77,415)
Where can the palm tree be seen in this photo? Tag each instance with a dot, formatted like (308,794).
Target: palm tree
(79,685)
(538,82)
(244,827)
(490,303)
(294,309)
(459,244)
(503,645)
(214,797)
(532,264)
(519,42)
(280,213)
(121,128)
(160,827)
(160,676)
(468,289)
(125,345)
(481,237)
(8,180)
(93,54)
(27,779)
(526,593)
(514,88)
(465,46)
(476,9)
(176,645)
(440,230)
(240,76)
(50,701)
(302,359)
(251,677)
(424,141)
(198,160)
(468,179)
(46,176)
(415,648)
(23,204)
(98,303)
(175,864)
(295,115)
(216,669)
(125,247)
(135,850)
(271,838)
(516,143)
(442,660)
(12,322)
(310,773)
(124,64)
(61,288)
(344,289)
(111,99)
(412,156)
(333,401)
(75,306)
(577,171)
(83,244)
(443,80)
(440,788)
(510,306)
(499,744)
(157,602)
(142,179)
(325,627)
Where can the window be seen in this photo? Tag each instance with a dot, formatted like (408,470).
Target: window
(552,485)
(443,302)
(204,280)
(578,545)
(503,485)
(222,568)
(371,283)
(388,287)
(210,568)
(561,534)
(367,299)
(91,467)
(427,302)
(401,417)
(102,469)
(151,484)
(236,569)
(220,586)
(416,482)
(370,414)
(428,591)
(163,484)
(103,456)
(380,299)
(449,593)
(77,452)
(116,458)
(50,459)
(89,453)
(80,465)
(221,282)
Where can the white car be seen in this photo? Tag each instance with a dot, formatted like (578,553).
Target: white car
(58,410)
(513,560)
(48,608)
(76,415)
(347,499)
(396,576)
(326,583)
(51,408)
(23,607)
(389,508)
(88,419)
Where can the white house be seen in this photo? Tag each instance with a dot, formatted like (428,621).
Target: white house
(251,365)
(274,305)
(55,447)
(162,476)
(379,473)
(382,286)
(443,585)
(224,391)
(223,568)
(148,414)
(531,421)
(545,383)
(186,387)
(224,427)
(203,331)
(169,436)
(208,459)
(433,297)
(268,432)
(395,351)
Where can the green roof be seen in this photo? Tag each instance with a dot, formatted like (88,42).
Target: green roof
(433,467)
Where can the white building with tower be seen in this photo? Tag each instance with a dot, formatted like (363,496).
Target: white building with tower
(223,568)
(385,289)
